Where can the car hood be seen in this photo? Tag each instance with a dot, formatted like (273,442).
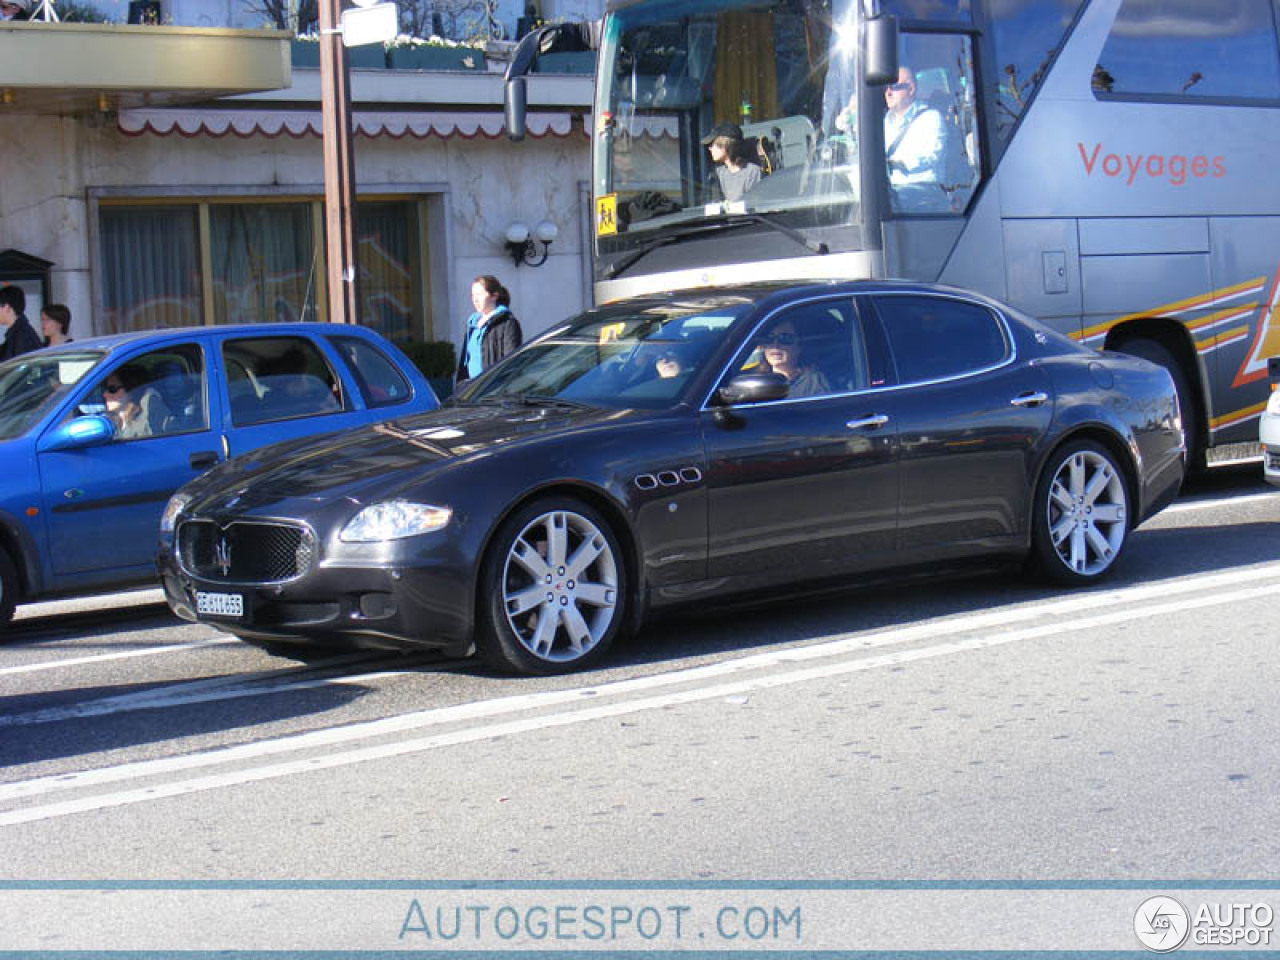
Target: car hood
(371,462)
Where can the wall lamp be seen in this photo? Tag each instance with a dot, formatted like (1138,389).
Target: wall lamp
(523,247)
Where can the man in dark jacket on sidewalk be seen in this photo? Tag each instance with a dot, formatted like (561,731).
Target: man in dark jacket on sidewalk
(20,337)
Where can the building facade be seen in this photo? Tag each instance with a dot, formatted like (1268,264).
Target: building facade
(163,206)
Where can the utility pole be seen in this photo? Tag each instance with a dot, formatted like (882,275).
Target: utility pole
(339,166)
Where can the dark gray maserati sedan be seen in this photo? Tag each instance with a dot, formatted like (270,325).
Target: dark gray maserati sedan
(681,447)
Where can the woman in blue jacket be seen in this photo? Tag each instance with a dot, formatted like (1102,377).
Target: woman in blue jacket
(492,331)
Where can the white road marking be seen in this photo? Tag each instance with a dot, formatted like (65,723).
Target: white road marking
(1185,506)
(119,655)
(703,689)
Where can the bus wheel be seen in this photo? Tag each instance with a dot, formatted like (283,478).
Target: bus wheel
(1187,400)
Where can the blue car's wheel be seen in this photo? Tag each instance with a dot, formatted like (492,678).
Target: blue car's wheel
(8,587)
(555,589)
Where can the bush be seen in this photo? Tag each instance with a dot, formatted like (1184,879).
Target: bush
(435,358)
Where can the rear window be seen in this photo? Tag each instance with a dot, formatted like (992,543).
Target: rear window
(380,381)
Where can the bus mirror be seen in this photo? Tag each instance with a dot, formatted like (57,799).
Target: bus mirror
(880,50)
(514,108)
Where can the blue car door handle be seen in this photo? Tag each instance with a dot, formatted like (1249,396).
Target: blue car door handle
(871,420)
(1031,399)
(202,459)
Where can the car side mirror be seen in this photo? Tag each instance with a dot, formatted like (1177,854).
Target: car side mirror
(754,388)
(81,432)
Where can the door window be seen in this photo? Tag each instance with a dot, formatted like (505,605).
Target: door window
(937,338)
(821,347)
(278,378)
(157,394)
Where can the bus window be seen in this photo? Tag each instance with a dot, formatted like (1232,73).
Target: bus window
(1027,35)
(931,133)
(1196,50)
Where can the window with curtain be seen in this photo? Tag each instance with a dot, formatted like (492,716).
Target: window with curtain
(262,262)
(265,264)
(386,254)
(150,268)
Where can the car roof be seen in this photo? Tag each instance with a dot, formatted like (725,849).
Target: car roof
(797,289)
(116,341)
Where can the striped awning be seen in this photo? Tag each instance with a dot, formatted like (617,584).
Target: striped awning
(307,123)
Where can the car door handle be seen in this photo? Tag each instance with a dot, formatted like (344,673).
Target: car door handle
(1033,399)
(202,459)
(871,420)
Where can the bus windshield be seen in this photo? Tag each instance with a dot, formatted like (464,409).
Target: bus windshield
(711,108)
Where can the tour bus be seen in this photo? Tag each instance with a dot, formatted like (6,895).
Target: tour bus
(1108,166)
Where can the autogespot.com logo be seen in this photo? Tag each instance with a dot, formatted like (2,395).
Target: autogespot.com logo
(1162,924)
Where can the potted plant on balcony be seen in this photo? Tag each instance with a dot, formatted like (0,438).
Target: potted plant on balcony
(433,53)
(304,51)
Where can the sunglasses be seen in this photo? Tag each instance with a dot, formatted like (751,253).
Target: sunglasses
(783,339)
(113,388)
(899,87)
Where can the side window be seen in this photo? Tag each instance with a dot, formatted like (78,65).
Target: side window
(380,381)
(278,378)
(1027,36)
(1191,50)
(820,347)
(935,338)
(933,149)
(161,393)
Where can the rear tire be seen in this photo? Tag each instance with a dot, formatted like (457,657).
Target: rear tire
(1188,402)
(1081,514)
(9,588)
(555,591)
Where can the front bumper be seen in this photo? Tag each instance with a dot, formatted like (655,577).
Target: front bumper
(1269,435)
(385,607)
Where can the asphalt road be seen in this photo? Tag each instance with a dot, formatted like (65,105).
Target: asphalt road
(950,730)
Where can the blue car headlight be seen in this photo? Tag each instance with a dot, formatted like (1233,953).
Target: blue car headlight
(172,510)
(394,520)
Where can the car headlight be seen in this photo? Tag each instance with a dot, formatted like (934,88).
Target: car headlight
(1273,403)
(172,510)
(394,520)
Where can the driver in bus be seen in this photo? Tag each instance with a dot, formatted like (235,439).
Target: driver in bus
(735,172)
(914,135)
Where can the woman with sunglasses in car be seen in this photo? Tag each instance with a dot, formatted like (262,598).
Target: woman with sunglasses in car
(784,354)
(137,410)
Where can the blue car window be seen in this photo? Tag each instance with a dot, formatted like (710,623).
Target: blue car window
(278,378)
(162,393)
(381,383)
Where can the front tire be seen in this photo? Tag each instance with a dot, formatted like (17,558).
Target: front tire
(9,588)
(555,591)
(1081,514)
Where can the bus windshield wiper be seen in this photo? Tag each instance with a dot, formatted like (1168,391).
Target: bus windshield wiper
(736,220)
(675,236)
(790,232)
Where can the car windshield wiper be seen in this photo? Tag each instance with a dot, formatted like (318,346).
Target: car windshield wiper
(537,400)
(736,220)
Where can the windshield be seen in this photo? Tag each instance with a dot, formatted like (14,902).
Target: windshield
(32,384)
(716,108)
(638,356)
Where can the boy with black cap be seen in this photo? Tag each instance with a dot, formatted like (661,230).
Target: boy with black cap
(735,174)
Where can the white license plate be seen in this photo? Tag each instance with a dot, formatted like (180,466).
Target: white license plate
(220,604)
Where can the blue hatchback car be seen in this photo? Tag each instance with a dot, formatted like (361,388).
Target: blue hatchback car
(95,435)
